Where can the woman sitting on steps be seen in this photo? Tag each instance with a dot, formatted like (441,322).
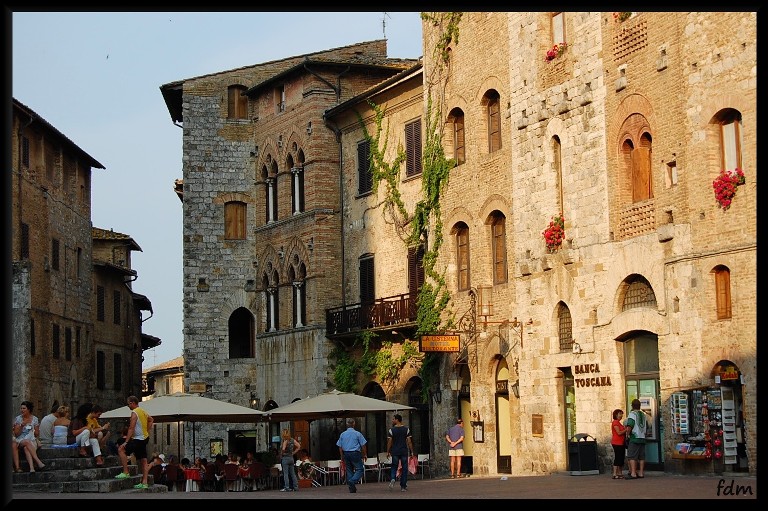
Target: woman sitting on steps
(80,433)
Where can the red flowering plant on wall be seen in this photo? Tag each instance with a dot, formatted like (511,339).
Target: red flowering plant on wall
(555,52)
(554,234)
(621,16)
(725,186)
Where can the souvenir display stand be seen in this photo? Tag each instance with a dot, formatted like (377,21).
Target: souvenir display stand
(705,419)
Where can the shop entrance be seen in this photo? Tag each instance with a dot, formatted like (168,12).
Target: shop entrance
(641,363)
(503,428)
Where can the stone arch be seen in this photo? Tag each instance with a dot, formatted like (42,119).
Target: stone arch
(494,202)
(458,214)
(232,196)
(268,258)
(237,299)
(298,248)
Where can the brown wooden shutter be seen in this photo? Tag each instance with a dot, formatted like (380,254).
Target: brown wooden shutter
(458,139)
(723,290)
(494,126)
(415,270)
(462,257)
(364,173)
(499,251)
(413,148)
(641,174)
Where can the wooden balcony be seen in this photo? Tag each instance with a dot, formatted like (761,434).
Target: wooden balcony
(381,314)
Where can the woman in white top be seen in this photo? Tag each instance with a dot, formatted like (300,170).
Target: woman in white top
(26,430)
(61,426)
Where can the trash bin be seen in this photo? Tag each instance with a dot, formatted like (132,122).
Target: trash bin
(582,455)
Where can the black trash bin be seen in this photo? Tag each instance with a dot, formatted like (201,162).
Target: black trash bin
(582,455)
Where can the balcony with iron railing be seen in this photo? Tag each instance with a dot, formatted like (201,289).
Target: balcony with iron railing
(380,314)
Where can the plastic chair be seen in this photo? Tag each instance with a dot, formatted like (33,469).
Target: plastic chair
(334,471)
(370,465)
(385,466)
(423,463)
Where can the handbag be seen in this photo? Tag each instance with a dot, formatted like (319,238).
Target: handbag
(413,464)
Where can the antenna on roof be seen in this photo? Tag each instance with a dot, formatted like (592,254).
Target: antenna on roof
(384,24)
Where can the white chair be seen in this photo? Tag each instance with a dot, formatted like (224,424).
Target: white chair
(423,463)
(370,465)
(385,465)
(334,471)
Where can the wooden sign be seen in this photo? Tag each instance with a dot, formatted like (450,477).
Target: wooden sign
(196,388)
(446,343)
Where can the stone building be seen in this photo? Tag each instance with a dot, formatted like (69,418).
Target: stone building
(585,256)
(620,132)
(60,350)
(261,225)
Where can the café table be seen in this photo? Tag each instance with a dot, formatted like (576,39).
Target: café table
(194,477)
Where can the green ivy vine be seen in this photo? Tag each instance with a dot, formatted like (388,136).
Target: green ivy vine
(414,229)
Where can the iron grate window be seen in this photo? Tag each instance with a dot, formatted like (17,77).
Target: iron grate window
(565,328)
(639,294)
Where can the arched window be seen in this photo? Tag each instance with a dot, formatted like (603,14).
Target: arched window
(638,293)
(237,104)
(493,113)
(730,138)
(557,163)
(564,327)
(272,193)
(722,291)
(297,184)
(635,157)
(499,247)
(241,333)
(234,220)
(456,120)
(461,231)
(270,283)
(297,274)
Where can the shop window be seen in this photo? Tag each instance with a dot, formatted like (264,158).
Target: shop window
(723,292)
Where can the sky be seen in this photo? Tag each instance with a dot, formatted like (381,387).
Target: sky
(96,77)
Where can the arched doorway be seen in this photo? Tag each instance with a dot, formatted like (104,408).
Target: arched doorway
(503,426)
(641,376)
(375,422)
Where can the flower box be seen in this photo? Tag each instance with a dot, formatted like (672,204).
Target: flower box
(554,234)
(555,52)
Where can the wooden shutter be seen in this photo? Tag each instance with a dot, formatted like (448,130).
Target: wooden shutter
(458,139)
(413,148)
(641,174)
(101,370)
(499,250)
(723,291)
(364,173)
(116,307)
(234,220)
(462,257)
(367,290)
(494,125)
(415,271)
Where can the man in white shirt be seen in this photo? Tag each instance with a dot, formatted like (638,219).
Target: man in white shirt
(46,426)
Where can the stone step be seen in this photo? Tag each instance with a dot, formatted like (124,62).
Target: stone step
(65,472)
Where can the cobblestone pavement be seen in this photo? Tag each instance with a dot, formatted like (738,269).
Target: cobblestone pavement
(556,486)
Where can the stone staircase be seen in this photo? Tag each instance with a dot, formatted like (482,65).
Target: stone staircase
(65,472)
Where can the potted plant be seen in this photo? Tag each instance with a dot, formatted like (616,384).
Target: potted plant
(725,186)
(554,234)
(555,52)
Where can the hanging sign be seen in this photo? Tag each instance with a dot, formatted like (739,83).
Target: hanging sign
(449,343)
(730,373)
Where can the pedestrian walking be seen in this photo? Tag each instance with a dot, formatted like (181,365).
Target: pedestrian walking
(353,449)
(399,447)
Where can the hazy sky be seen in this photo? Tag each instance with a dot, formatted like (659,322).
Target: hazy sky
(96,77)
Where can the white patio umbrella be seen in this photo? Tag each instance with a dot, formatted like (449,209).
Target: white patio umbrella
(189,407)
(331,405)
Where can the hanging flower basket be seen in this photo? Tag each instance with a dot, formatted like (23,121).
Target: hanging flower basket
(725,186)
(621,16)
(555,52)
(554,234)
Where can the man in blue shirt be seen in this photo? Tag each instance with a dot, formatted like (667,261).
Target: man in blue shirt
(455,438)
(353,450)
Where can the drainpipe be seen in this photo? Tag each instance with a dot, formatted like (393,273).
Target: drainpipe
(337,132)
(20,174)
